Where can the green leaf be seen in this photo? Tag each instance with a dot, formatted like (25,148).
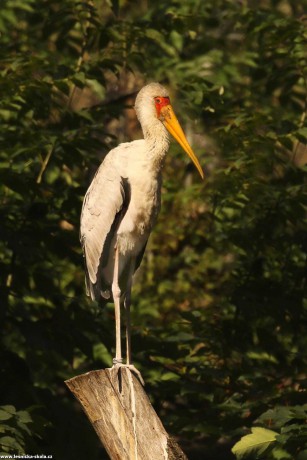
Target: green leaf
(280,454)
(24,416)
(11,443)
(255,443)
(5,415)
(278,416)
(169,376)
(7,412)
(100,353)
(302,134)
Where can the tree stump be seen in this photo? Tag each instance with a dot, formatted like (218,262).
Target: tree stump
(120,411)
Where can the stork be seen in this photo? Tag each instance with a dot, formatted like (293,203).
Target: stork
(121,206)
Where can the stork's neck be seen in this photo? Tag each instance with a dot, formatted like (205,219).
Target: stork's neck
(157,142)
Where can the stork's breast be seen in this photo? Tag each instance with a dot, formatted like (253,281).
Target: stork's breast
(142,212)
(140,216)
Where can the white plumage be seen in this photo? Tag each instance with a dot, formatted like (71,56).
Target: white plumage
(122,204)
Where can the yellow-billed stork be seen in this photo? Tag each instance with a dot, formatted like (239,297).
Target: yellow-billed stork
(122,204)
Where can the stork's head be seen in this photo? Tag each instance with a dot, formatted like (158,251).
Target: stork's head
(153,108)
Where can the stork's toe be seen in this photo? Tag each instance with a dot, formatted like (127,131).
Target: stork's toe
(119,365)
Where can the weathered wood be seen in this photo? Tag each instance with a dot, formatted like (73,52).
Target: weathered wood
(123,417)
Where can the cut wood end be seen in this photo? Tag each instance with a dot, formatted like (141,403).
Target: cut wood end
(122,415)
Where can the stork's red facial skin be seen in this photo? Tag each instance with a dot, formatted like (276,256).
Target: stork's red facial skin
(161,102)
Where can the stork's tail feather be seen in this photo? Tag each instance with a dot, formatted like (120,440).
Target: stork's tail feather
(95,291)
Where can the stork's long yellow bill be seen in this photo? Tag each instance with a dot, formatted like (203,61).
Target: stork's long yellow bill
(171,123)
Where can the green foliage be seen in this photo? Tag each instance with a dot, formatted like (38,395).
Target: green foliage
(254,445)
(16,428)
(219,308)
(290,421)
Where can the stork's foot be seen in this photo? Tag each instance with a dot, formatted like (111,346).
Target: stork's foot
(118,364)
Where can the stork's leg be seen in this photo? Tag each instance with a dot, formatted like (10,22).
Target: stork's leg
(127,304)
(116,297)
(118,360)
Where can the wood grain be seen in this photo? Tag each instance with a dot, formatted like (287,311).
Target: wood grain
(120,411)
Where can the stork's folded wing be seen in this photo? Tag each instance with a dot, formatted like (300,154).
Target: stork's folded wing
(101,213)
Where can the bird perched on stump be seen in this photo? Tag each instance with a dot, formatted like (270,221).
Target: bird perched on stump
(121,206)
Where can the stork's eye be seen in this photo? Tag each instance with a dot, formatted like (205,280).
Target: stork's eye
(161,100)
(160,103)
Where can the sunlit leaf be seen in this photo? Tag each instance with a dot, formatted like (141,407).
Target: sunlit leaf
(254,444)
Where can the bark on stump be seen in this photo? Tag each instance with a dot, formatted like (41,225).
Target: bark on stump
(123,417)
